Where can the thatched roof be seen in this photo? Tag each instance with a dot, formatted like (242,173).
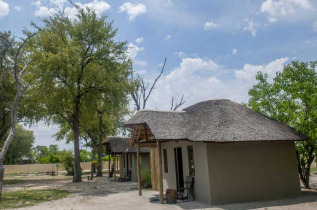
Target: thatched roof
(122,145)
(218,120)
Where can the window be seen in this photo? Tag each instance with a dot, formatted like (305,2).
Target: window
(165,161)
(191,164)
(123,161)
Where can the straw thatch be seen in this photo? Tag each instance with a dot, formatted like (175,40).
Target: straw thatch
(121,145)
(216,121)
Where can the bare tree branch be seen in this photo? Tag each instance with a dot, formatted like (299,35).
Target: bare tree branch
(175,106)
(140,95)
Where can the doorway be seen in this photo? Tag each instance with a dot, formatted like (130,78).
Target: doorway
(179,167)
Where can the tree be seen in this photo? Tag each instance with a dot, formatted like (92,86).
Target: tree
(75,59)
(143,90)
(50,154)
(6,85)
(292,99)
(18,66)
(21,146)
(105,119)
(67,159)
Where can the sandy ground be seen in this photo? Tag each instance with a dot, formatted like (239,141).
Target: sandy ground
(102,193)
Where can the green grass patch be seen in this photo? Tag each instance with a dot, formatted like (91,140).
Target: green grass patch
(12,181)
(23,198)
(313,169)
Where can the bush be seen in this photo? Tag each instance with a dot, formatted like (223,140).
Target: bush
(67,160)
(146,176)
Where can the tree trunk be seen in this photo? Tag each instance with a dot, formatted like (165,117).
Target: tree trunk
(304,164)
(77,169)
(93,165)
(1,178)
(11,134)
(99,164)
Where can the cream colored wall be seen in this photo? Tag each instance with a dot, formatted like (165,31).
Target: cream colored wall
(250,171)
(201,179)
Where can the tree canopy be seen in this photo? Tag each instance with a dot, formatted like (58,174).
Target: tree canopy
(292,99)
(77,61)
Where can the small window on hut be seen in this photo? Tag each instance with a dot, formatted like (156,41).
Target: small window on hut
(165,161)
(191,164)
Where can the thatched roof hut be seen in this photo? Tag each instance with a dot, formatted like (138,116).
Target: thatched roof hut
(225,147)
(120,145)
(218,120)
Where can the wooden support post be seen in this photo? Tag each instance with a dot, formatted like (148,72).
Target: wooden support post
(121,166)
(109,165)
(160,175)
(139,169)
(117,163)
(114,166)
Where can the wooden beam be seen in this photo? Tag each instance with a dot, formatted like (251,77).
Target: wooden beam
(160,175)
(146,139)
(121,166)
(137,139)
(147,144)
(114,166)
(109,167)
(139,169)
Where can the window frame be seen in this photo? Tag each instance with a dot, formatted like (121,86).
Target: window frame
(191,161)
(165,160)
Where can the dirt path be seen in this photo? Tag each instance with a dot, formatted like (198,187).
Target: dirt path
(102,193)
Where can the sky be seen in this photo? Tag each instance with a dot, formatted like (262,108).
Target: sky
(214,48)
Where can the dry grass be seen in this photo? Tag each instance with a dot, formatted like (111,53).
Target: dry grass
(23,198)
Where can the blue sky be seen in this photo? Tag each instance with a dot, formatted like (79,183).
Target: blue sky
(214,48)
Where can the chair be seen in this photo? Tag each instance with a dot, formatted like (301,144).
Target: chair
(188,189)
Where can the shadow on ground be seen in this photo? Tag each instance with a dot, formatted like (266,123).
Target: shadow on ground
(306,197)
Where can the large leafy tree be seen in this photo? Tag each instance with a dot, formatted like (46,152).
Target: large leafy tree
(105,118)
(76,59)
(21,147)
(292,99)
(6,84)
(15,64)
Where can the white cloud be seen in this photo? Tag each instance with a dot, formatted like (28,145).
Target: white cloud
(44,11)
(17,8)
(167,37)
(190,66)
(141,72)
(58,3)
(210,25)
(249,71)
(99,6)
(140,63)
(37,3)
(234,51)
(315,26)
(202,79)
(277,9)
(180,54)
(251,27)
(4,8)
(133,10)
(139,40)
(133,51)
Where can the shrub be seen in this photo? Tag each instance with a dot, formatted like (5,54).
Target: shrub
(146,176)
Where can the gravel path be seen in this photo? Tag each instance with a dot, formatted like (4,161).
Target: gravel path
(102,193)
